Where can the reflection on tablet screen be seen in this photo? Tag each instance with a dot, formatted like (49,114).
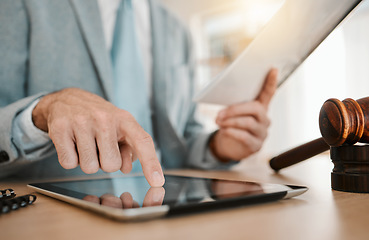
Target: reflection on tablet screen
(135,192)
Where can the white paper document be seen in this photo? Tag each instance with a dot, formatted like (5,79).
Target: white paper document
(291,35)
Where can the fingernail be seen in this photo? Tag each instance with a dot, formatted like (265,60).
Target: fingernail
(157,196)
(157,179)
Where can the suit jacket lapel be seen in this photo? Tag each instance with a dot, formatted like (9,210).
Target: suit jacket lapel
(168,140)
(89,20)
(160,65)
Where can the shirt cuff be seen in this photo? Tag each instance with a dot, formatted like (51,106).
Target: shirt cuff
(210,159)
(27,136)
(201,157)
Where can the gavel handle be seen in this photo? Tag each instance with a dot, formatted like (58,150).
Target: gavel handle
(298,154)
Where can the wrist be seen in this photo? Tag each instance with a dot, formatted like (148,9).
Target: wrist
(40,113)
(215,148)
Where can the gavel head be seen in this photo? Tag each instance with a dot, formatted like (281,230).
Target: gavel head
(344,122)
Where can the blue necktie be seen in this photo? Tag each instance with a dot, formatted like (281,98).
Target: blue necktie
(131,91)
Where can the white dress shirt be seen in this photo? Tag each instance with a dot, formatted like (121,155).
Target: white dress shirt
(108,12)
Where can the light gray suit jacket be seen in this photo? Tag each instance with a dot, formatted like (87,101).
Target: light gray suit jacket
(48,45)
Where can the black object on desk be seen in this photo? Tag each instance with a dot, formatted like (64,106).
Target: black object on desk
(8,201)
(7,193)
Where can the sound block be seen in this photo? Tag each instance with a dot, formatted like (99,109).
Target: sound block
(351,168)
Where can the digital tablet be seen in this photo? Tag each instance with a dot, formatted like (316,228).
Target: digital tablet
(291,35)
(132,198)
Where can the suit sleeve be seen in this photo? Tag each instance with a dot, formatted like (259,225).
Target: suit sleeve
(199,155)
(14,41)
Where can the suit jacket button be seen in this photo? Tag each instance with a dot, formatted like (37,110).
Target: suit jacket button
(4,156)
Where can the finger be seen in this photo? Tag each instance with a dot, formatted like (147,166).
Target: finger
(92,198)
(143,145)
(111,201)
(127,200)
(64,144)
(154,197)
(135,204)
(127,158)
(134,156)
(86,148)
(269,88)
(254,109)
(109,154)
(248,124)
(252,143)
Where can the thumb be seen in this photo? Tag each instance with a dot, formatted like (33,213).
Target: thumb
(269,88)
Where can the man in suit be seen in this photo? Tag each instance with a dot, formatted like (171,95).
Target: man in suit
(58,81)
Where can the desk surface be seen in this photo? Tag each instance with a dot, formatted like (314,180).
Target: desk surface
(318,214)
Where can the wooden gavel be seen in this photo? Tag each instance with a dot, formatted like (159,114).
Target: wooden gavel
(341,123)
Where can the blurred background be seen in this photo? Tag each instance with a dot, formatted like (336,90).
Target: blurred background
(339,68)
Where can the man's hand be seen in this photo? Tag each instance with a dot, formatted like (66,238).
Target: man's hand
(91,132)
(243,127)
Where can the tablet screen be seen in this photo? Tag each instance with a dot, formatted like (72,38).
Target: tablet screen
(178,191)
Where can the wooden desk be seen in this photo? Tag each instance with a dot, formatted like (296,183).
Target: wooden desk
(318,214)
